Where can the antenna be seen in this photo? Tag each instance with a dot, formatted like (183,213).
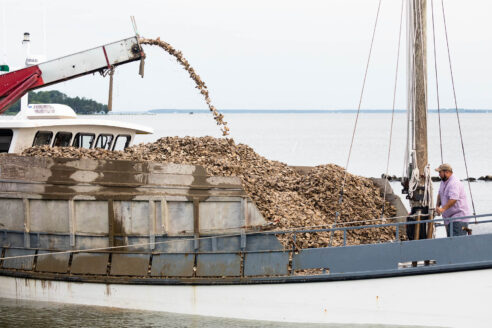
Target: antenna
(134,24)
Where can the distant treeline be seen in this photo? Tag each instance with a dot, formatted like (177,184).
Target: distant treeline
(79,105)
(310,111)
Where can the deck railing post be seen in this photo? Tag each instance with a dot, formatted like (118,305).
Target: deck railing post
(344,237)
(293,253)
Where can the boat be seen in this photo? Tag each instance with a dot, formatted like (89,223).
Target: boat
(58,125)
(168,237)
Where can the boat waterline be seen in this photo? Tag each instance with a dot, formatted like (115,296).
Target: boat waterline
(396,301)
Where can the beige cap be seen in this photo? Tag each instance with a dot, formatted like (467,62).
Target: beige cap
(444,167)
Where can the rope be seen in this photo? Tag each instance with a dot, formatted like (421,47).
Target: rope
(437,82)
(340,200)
(428,200)
(199,238)
(411,83)
(393,110)
(221,236)
(414,178)
(457,112)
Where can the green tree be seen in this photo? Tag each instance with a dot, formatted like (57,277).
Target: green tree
(79,105)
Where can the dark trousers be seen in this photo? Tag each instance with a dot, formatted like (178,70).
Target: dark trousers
(457,228)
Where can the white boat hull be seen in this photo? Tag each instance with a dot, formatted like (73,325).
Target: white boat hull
(458,299)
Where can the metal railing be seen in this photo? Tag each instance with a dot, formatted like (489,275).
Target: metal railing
(397,226)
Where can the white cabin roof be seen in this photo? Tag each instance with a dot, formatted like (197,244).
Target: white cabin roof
(45,115)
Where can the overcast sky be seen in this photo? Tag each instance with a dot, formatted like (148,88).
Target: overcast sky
(257,54)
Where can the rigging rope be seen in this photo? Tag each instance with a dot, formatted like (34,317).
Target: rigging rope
(294,230)
(340,200)
(299,230)
(393,110)
(437,82)
(457,112)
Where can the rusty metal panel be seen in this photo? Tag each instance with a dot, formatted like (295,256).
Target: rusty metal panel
(143,243)
(86,242)
(131,217)
(130,264)
(13,239)
(173,265)
(11,214)
(213,265)
(91,216)
(49,215)
(50,241)
(161,214)
(53,262)
(89,263)
(180,218)
(254,216)
(174,245)
(220,216)
(266,264)
(220,244)
(24,263)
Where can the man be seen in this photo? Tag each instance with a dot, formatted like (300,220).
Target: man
(451,201)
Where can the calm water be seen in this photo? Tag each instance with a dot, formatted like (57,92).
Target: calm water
(48,315)
(296,139)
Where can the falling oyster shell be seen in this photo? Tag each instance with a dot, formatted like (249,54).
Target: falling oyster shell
(200,85)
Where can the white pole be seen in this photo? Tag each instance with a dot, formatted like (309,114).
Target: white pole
(26,42)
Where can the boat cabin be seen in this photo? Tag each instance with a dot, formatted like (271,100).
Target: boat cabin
(57,125)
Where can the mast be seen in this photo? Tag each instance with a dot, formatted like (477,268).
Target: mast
(420,54)
(417,152)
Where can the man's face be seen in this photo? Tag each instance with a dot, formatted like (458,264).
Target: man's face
(444,175)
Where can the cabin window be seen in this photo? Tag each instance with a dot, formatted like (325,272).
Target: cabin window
(122,142)
(43,138)
(83,140)
(104,141)
(62,139)
(5,140)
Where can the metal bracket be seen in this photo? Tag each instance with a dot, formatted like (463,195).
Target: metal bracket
(71,221)
(152,224)
(27,223)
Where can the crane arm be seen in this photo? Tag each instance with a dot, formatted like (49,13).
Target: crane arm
(17,83)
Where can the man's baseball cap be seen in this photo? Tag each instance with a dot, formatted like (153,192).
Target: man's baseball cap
(444,167)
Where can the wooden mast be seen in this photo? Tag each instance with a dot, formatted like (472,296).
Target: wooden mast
(420,55)
(419,103)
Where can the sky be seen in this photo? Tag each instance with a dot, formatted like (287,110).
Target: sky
(258,54)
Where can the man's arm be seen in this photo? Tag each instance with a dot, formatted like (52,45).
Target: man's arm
(438,202)
(449,204)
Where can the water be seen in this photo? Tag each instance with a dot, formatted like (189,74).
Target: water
(314,139)
(297,139)
(48,315)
